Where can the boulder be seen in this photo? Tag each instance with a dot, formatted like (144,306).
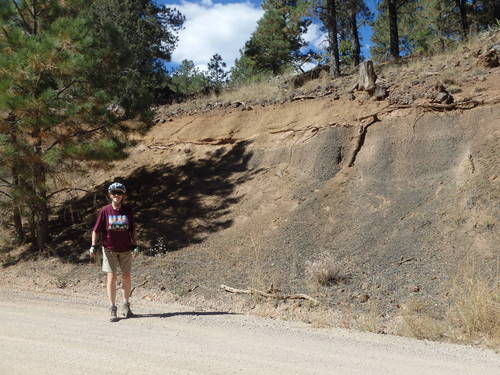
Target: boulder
(489,59)
(443,97)
(380,93)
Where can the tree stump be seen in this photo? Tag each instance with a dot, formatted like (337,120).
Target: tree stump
(367,77)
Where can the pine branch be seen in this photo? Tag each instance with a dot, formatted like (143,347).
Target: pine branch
(6,34)
(4,193)
(68,86)
(28,7)
(5,182)
(75,135)
(28,29)
(66,189)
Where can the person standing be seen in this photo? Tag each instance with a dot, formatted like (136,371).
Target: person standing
(115,225)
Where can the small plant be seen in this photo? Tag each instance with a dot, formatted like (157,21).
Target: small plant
(475,308)
(324,270)
(61,281)
(419,320)
(472,316)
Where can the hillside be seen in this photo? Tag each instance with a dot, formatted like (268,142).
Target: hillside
(398,198)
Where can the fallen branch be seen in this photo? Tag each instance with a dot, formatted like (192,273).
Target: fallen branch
(269,295)
(402,261)
(303,97)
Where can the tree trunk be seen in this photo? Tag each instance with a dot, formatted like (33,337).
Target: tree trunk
(332,38)
(41,212)
(367,77)
(356,48)
(16,181)
(393,28)
(16,208)
(462,6)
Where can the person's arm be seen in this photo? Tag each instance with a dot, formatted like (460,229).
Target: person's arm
(96,234)
(95,238)
(93,248)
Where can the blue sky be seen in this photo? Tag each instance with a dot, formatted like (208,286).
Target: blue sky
(223,27)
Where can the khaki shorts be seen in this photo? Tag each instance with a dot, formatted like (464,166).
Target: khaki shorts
(112,259)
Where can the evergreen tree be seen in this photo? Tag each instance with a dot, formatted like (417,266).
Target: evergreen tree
(354,13)
(188,79)
(137,37)
(462,7)
(276,43)
(333,41)
(341,20)
(53,99)
(391,28)
(429,26)
(245,70)
(216,73)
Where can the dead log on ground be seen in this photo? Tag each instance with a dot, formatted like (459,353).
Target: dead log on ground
(269,295)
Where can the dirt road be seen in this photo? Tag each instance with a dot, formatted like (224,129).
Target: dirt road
(64,334)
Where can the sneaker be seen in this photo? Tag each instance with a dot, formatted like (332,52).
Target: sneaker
(127,313)
(114,317)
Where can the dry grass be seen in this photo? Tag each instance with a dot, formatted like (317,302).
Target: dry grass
(420,320)
(322,82)
(472,316)
(475,311)
(324,270)
(258,91)
(273,89)
(370,321)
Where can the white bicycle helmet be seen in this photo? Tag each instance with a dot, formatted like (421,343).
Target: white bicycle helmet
(117,186)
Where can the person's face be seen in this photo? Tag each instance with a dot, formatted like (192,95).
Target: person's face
(116,196)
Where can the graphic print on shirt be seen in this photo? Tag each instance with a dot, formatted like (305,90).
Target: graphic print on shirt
(118,222)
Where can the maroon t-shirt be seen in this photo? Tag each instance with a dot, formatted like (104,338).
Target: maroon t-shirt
(115,226)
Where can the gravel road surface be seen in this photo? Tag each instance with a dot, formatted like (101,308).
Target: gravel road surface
(54,334)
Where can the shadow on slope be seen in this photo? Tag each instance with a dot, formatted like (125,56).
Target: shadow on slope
(174,205)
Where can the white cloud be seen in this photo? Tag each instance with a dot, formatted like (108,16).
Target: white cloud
(214,28)
(314,36)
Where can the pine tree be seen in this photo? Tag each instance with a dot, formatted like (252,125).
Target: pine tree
(356,12)
(188,79)
(53,100)
(429,26)
(389,29)
(216,73)
(462,7)
(276,43)
(136,38)
(331,26)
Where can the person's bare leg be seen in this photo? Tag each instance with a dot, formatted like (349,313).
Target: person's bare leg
(111,288)
(127,285)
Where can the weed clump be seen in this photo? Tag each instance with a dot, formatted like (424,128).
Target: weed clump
(324,270)
(472,315)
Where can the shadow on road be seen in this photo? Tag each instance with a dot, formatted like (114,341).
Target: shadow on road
(181,313)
